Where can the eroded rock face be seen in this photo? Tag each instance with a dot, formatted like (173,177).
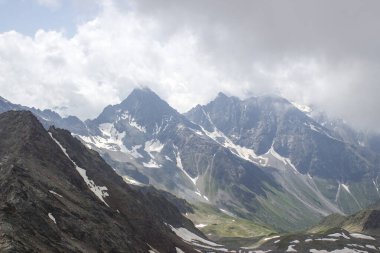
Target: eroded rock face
(58,196)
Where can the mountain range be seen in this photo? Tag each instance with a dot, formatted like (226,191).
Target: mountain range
(262,159)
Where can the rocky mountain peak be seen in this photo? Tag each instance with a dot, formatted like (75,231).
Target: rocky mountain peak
(143,109)
(26,123)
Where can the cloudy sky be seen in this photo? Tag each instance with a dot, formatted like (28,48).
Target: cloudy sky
(79,56)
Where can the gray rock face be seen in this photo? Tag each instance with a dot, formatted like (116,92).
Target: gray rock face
(265,122)
(58,196)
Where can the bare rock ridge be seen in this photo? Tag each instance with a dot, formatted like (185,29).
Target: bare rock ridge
(58,196)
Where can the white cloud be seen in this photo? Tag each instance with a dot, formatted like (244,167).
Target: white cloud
(189,52)
(102,63)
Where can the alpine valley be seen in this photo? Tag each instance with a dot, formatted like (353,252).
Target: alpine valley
(261,173)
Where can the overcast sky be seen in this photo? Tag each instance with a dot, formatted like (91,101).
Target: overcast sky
(78,56)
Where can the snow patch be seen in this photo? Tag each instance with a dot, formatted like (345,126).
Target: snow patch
(270,238)
(361,236)
(226,212)
(291,249)
(327,239)
(53,192)
(111,138)
(153,146)
(302,108)
(168,158)
(200,225)
(370,246)
(178,250)
(132,122)
(194,239)
(320,130)
(242,152)
(339,235)
(132,181)
(52,217)
(179,165)
(99,191)
(152,164)
(346,188)
(286,161)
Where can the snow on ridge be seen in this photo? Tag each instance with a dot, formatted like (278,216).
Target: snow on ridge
(302,108)
(339,235)
(132,121)
(54,193)
(99,191)
(150,147)
(112,135)
(318,129)
(153,146)
(242,152)
(361,236)
(179,165)
(52,217)
(164,124)
(192,179)
(111,138)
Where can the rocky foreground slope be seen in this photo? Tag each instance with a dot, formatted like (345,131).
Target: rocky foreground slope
(58,196)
